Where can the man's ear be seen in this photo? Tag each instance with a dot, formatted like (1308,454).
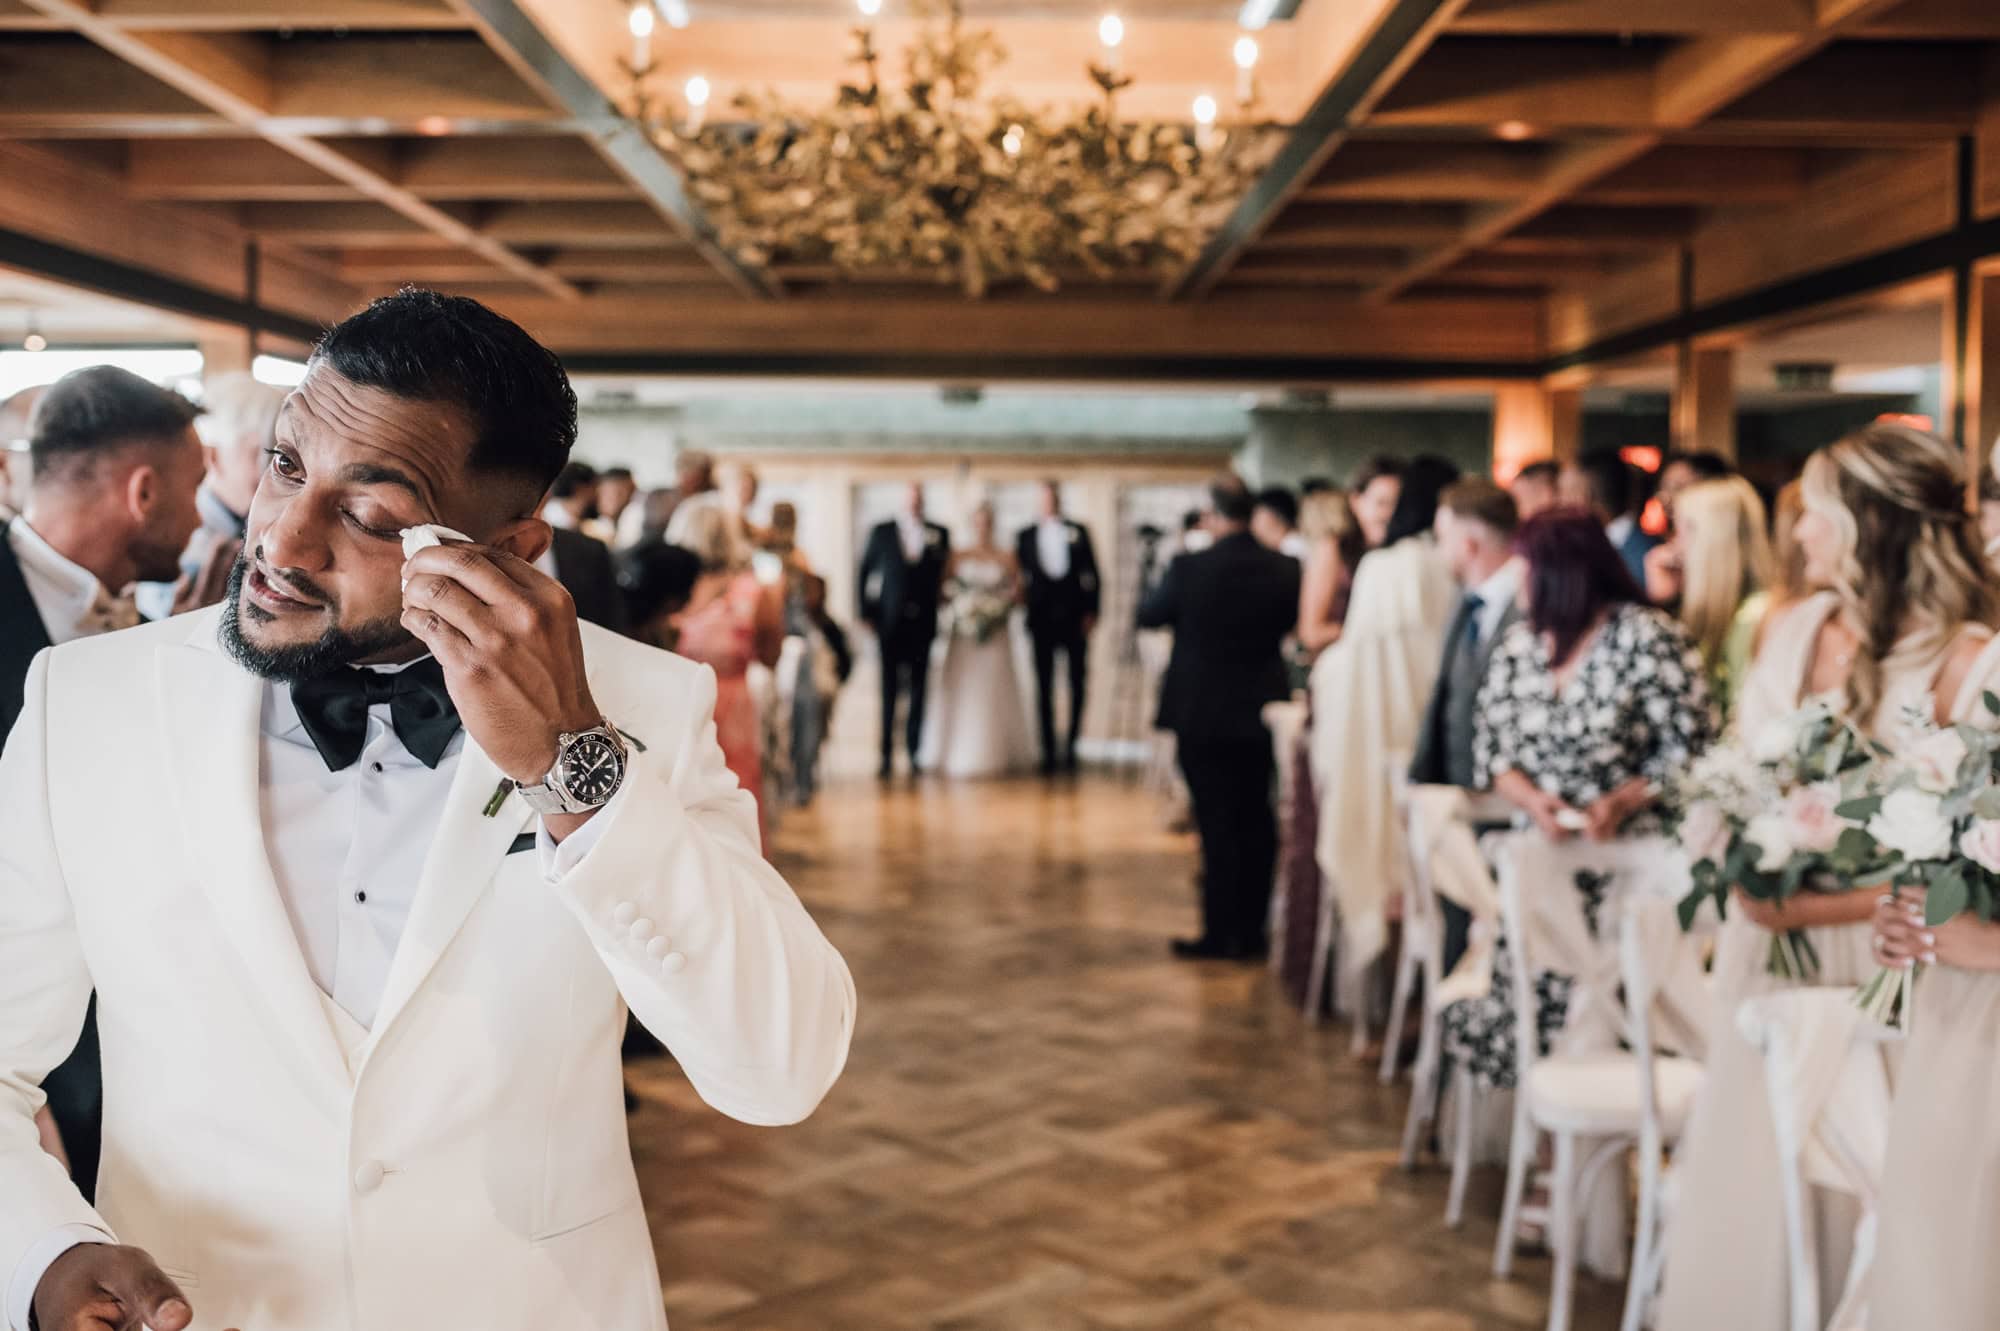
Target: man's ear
(527,539)
(142,490)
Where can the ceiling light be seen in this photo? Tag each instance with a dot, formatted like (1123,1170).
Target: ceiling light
(697,91)
(1204,110)
(868,8)
(34,341)
(640,20)
(1246,53)
(1111,31)
(1514,130)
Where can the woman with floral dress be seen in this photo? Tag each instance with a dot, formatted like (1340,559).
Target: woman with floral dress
(1593,704)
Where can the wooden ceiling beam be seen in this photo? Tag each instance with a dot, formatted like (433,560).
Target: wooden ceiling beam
(335,225)
(1682,176)
(229,77)
(1430,172)
(600,225)
(1480,82)
(561,170)
(263,16)
(1305,227)
(1613,18)
(1692,81)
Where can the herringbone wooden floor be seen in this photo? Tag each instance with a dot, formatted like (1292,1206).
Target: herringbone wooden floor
(1046,1125)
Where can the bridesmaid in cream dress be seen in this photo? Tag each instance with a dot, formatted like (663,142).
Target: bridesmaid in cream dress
(1937,1264)
(1904,633)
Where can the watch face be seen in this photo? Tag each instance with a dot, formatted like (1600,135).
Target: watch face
(591,769)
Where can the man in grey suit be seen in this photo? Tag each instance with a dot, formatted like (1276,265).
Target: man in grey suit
(1475,530)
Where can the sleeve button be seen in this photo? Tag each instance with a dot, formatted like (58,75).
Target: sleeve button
(657,947)
(673,963)
(625,913)
(642,929)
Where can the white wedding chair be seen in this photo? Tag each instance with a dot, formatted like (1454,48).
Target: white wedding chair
(1826,1073)
(1603,1088)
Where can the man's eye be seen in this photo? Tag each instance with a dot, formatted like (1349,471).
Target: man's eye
(284,464)
(391,533)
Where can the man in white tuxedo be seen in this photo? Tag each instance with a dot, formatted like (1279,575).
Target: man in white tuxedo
(365,865)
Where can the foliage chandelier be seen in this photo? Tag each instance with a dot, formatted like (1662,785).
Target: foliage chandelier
(937,179)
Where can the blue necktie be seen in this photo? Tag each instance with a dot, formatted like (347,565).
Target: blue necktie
(1473,606)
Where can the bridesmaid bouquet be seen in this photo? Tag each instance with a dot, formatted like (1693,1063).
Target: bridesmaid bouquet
(1935,812)
(1779,812)
(977,612)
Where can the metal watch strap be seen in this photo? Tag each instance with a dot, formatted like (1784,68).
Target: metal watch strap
(546,798)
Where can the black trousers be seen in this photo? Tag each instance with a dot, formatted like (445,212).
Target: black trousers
(1071,641)
(76,1101)
(906,669)
(1230,784)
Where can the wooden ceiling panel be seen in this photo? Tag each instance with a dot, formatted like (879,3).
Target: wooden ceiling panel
(335,225)
(1615,18)
(1867,88)
(57,83)
(398,80)
(1535,85)
(556,169)
(265,16)
(598,225)
(1706,176)
(236,170)
(1429,172)
(1309,226)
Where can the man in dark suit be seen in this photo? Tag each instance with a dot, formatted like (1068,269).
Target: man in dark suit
(1230,607)
(1059,571)
(902,580)
(115,467)
(1608,485)
(582,564)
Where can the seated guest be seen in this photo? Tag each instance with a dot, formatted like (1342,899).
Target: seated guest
(1534,488)
(1275,522)
(1230,607)
(1368,696)
(1607,485)
(1591,706)
(1372,492)
(1334,546)
(1712,573)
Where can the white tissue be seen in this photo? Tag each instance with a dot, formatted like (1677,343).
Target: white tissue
(425,535)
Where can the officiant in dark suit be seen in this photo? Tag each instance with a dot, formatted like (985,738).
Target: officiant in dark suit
(115,466)
(1475,530)
(1059,572)
(902,582)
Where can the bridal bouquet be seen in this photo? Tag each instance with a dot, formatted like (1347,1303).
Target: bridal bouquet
(1778,812)
(977,612)
(1935,812)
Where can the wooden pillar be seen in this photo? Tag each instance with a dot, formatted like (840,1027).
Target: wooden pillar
(1533,421)
(225,352)
(1704,411)
(1972,366)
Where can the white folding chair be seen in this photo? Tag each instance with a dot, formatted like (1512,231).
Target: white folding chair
(1828,1087)
(1421,958)
(1592,1098)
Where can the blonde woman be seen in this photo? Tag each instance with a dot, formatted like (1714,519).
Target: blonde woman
(1903,631)
(1334,545)
(1715,569)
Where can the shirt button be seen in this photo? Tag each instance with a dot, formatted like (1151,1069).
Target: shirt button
(673,963)
(374,767)
(369,1176)
(657,948)
(625,913)
(361,897)
(642,928)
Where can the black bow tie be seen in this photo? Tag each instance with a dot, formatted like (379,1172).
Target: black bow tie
(334,710)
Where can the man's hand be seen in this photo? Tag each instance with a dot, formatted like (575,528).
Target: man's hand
(102,1287)
(506,636)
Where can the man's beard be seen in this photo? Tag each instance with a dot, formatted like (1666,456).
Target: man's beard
(336,649)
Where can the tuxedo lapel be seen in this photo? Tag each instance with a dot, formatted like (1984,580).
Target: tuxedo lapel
(211,709)
(466,852)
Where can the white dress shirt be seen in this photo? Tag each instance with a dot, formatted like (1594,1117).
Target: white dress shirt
(347,851)
(1619,530)
(1296,545)
(72,602)
(1495,595)
(916,535)
(1052,547)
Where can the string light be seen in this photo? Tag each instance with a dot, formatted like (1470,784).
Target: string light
(1204,111)
(1246,70)
(1111,32)
(1011,141)
(640,22)
(868,8)
(697,93)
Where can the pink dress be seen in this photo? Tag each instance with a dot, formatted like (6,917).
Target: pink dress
(722,635)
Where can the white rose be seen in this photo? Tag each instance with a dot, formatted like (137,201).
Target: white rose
(1705,831)
(1912,824)
(1774,740)
(1936,761)
(1981,844)
(1767,832)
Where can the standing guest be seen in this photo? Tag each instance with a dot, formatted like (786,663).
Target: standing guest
(1229,607)
(615,492)
(731,622)
(1591,707)
(1275,522)
(828,664)
(572,500)
(694,482)
(341,1015)
(1606,484)
(1790,583)
(976,726)
(238,423)
(583,565)
(1058,567)
(1535,488)
(1373,492)
(657,580)
(116,464)
(1334,547)
(14,414)
(902,582)
(1368,696)
(1902,637)
(1712,573)
(1683,470)
(1313,485)
(1989,513)
(740,488)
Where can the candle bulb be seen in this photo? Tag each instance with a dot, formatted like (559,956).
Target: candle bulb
(1111,32)
(1246,70)
(869,8)
(640,21)
(1204,121)
(697,102)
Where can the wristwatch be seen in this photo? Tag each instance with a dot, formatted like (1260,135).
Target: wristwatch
(589,768)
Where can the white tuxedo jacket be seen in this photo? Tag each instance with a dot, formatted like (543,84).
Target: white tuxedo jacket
(467,1167)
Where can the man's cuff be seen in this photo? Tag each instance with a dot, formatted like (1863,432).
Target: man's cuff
(35,1264)
(559,857)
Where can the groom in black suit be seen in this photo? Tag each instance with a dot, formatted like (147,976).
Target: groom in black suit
(1059,568)
(902,581)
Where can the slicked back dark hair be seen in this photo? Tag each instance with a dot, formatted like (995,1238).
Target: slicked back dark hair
(1417,507)
(423,346)
(89,414)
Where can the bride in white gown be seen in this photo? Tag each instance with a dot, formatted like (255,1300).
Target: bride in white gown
(977,725)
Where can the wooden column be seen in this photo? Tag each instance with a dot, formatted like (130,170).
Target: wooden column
(225,352)
(1972,366)
(1704,411)
(1531,422)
